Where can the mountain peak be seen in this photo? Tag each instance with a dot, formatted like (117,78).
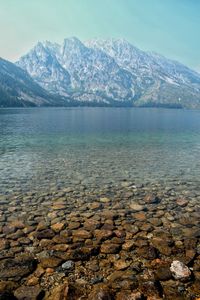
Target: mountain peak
(109,71)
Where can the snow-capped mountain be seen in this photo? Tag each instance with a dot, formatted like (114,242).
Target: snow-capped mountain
(111,71)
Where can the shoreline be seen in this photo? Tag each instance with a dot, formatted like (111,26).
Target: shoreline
(118,243)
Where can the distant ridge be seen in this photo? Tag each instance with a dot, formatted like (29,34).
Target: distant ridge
(104,72)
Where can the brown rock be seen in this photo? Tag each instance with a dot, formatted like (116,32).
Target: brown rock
(45,234)
(102,235)
(121,264)
(4,244)
(91,224)
(140,216)
(57,227)
(16,268)
(104,200)
(60,247)
(29,293)
(129,296)
(59,293)
(100,292)
(74,225)
(82,233)
(150,289)
(128,245)
(147,252)
(181,202)
(152,199)
(108,248)
(50,262)
(162,246)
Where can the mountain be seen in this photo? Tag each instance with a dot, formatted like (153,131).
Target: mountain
(159,80)
(112,72)
(79,72)
(17,88)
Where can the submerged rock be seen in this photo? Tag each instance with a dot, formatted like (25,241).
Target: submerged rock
(180,270)
(29,293)
(16,268)
(100,292)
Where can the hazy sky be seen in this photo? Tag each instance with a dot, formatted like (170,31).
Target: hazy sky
(169,27)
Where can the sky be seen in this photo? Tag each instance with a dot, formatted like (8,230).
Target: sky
(169,27)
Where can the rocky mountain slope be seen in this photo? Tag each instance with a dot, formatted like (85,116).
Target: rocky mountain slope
(110,72)
(17,88)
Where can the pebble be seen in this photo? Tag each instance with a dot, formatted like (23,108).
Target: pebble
(180,270)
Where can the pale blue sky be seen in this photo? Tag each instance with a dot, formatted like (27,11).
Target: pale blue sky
(169,27)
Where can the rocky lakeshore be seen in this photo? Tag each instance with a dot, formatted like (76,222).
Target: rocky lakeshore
(123,242)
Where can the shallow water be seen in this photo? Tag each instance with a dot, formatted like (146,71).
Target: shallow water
(69,177)
(44,147)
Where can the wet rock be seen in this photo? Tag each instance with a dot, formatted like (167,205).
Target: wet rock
(4,244)
(163,273)
(121,264)
(152,199)
(68,265)
(7,295)
(57,227)
(140,216)
(60,292)
(45,234)
(147,252)
(151,289)
(129,296)
(74,225)
(136,207)
(29,293)
(16,268)
(93,266)
(162,246)
(60,247)
(83,234)
(182,202)
(180,271)
(118,278)
(104,200)
(108,248)
(91,224)
(100,292)
(102,235)
(50,262)
(128,245)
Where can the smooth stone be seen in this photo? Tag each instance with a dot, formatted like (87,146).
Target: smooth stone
(136,207)
(152,199)
(180,270)
(121,264)
(181,202)
(16,268)
(29,293)
(57,227)
(4,244)
(60,292)
(100,292)
(103,234)
(163,273)
(68,265)
(104,200)
(50,262)
(82,233)
(108,248)
(45,234)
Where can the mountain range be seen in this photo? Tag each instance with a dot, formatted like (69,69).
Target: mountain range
(108,72)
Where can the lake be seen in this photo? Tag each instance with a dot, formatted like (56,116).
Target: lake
(45,147)
(100,195)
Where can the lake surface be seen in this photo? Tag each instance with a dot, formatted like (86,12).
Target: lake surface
(47,147)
